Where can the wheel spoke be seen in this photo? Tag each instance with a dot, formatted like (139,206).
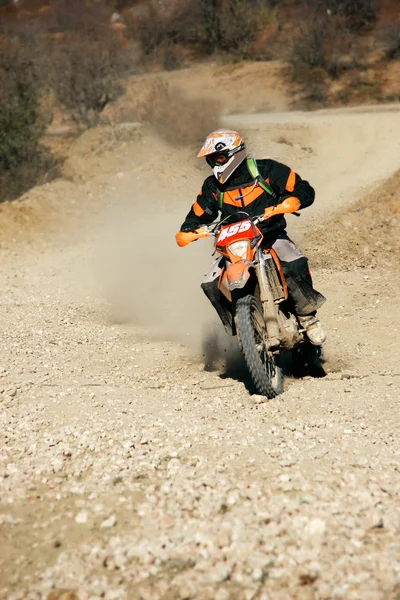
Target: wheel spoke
(266,376)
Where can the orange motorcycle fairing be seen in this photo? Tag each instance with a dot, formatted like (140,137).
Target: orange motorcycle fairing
(235,276)
(244,231)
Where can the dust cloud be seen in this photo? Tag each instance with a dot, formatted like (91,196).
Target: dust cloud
(147,279)
(177,118)
(153,285)
(151,282)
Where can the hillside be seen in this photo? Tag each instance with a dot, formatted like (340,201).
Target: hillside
(365,235)
(67,66)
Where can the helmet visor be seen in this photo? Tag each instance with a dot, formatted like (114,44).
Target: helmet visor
(218,159)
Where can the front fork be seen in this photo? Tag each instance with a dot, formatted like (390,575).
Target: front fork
(267,303)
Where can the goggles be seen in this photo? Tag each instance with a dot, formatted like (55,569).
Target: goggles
(217,159)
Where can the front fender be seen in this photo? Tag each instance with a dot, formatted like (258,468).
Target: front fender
(236,275)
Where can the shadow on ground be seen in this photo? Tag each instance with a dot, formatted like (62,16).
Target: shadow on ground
(221,353)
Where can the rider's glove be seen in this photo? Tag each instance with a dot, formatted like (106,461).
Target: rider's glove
(290,204)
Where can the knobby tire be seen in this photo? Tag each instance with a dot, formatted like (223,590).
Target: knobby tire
(248,311)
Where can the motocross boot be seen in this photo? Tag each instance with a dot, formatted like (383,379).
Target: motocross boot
(305,298)
(314,329)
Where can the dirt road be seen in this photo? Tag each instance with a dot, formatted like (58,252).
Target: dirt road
(127,470)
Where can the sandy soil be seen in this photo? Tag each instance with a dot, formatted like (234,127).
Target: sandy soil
(126,469)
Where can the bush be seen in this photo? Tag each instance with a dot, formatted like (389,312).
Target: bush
(87,58)
(240,23)
(172,57)
(311,89)
(322,51)
(230,26)
(390,38)
(74,15)
(358,14)
(86,75)
(151,26)
(208,26)
(23,161)
(363,87)
(322,43)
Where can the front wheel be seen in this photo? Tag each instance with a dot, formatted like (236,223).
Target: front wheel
(266,375)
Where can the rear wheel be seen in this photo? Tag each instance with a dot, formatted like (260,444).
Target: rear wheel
(266,375)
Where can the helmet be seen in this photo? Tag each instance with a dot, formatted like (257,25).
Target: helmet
(224,150)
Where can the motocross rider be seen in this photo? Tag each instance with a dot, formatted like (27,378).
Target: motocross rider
(239,183)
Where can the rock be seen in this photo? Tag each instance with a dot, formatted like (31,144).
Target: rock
(11,392)
(257,399)
(287,462)
(110,522)
(373,520)
(222,594)
(315,528)
(82,517)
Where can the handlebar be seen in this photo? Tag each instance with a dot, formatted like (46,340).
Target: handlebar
(183,238)
(264,217)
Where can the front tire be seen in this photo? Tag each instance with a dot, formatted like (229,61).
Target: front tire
(266,375)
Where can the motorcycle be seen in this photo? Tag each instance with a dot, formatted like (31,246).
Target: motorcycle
(253,283)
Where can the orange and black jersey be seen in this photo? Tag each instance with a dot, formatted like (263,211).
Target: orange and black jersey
(241,192)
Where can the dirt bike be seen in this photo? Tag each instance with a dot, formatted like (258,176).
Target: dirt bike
(253,283)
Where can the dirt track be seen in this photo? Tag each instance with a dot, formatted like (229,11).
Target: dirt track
(127,471)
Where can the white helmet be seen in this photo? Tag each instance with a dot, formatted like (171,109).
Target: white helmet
(224,151)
